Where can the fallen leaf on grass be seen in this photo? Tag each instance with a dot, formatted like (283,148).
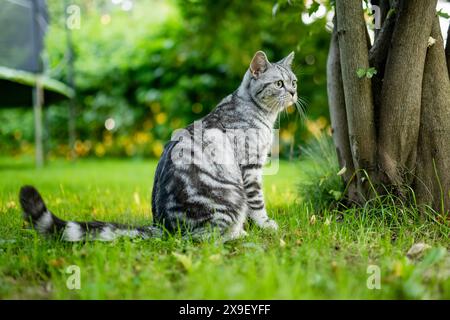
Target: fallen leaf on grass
(417,250)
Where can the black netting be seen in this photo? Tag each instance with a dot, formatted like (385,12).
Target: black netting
(22,28)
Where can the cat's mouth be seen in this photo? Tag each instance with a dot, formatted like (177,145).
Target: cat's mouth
(290,102)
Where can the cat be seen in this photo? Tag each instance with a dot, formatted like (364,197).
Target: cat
(209,176)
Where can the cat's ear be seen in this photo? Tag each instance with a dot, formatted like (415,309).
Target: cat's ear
(287,61)
(259,64)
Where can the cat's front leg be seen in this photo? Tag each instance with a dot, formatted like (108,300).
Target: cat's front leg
(252,176)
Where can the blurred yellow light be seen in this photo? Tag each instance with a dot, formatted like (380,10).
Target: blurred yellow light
(161,118)
(315,127)
(286,136)
(100,150)
(82,148)
(141,137)
(158,148)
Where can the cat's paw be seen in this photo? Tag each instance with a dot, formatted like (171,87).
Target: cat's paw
(235,234)
(269,225)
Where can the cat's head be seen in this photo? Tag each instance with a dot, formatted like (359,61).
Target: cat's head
(272,85)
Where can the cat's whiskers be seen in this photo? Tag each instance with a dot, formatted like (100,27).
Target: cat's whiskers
(300,105)
(273,104)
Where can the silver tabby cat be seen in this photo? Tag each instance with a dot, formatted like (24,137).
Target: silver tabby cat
(209,177)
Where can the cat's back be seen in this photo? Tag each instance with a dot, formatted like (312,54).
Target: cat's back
(197,173)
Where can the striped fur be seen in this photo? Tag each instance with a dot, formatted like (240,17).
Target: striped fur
(198,191)
(47,223)
(209,176)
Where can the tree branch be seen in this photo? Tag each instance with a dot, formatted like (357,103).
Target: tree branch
(432,184)
(379,51)
(377,58)
(402,91)
(353,49)
(338,116)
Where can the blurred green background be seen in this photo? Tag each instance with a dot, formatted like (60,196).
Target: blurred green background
(146,67)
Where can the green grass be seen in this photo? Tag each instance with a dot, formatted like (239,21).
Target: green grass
(314,255)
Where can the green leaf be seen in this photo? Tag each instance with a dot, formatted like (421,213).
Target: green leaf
(371,72)
(361,72)
(443,14)
(366,73)
(313,8)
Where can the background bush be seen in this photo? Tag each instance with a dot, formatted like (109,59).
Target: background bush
(164,64)
(320,184)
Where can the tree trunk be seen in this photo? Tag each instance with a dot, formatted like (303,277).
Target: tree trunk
(353,49)
(336,102)
(433,165)
(397,124)
(402,91)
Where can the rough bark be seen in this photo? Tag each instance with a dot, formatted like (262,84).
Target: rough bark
(338,116)
(354,54)
(447,50)
(409,145)
(432,185)
(402,91)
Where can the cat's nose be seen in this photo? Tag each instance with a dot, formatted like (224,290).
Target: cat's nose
(292,92)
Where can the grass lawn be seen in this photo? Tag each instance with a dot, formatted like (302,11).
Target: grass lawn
(314,255)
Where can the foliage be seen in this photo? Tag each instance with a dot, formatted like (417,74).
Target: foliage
(319,183)
(164,64)
(366,73)
(443,14)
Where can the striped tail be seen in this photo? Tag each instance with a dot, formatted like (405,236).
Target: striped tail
(46,223)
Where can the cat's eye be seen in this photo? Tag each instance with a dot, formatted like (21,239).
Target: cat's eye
(279,84)
(294,83)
